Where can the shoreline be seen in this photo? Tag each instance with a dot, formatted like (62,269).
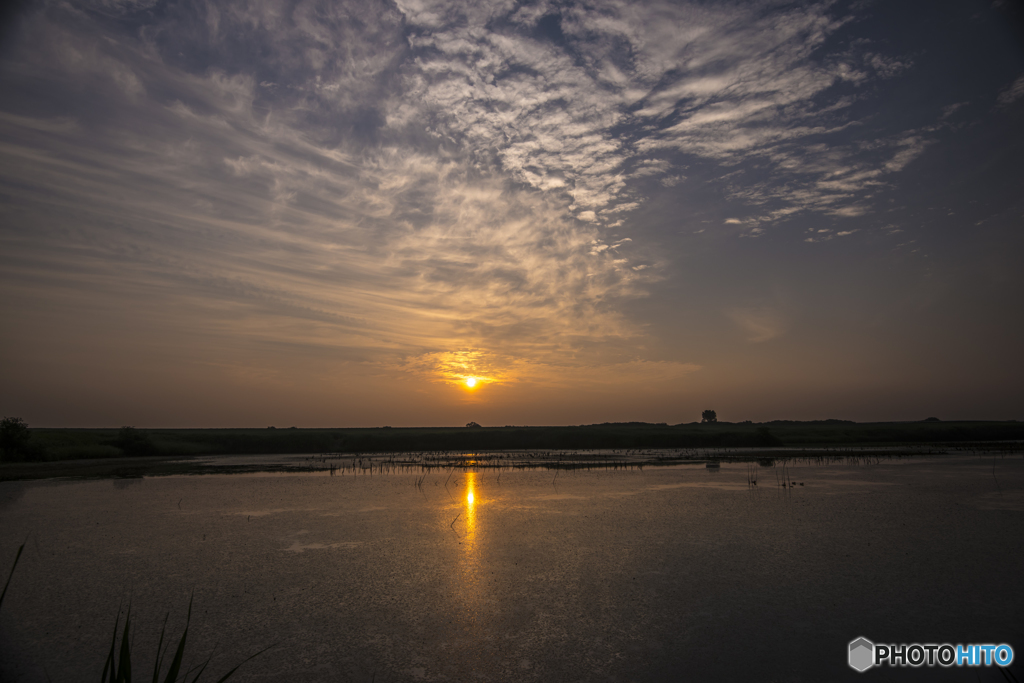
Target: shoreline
(519,459)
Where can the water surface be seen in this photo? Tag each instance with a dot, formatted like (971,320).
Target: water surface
(660,574)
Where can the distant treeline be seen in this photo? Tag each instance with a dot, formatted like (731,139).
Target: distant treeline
(42,444)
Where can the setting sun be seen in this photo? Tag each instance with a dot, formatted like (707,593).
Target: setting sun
(471,382)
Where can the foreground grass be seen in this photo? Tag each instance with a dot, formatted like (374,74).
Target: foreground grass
(11,574)
(118,667)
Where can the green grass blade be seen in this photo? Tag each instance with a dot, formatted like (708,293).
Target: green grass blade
(231,673)
(159,651)
(172,673)
(202,669)
(106,667)
(109,665)
(124,673)
(11,575)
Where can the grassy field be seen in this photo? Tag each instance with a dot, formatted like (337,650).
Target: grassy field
(48,445)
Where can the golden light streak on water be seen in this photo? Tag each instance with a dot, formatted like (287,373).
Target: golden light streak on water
(471,509)
(471,586)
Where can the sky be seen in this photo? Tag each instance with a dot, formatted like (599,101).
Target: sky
(335,214)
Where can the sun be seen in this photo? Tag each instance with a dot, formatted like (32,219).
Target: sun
(471,382)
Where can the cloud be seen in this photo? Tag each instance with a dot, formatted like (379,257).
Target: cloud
(581,112)
(239,219)
(388,182)
(759,324)
(455,367)
(951,109)
(648,167)
(521,101)
(1013,93)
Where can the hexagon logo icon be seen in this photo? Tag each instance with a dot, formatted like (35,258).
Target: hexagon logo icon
(862,654)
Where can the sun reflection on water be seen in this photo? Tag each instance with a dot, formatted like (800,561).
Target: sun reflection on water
(470,539)
(470,591)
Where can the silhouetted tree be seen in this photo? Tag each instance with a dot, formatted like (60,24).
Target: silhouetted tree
(14,436)
(472,424)
(766,438)
(708,416)
(134,442)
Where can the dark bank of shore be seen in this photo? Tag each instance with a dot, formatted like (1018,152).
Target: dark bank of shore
(127,452)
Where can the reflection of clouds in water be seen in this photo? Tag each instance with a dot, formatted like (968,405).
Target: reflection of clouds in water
(1001,500)
(121,483)
(261,513)
(559,496)
(11,492)
(521,507)
(724,486)
(346,513)
(297,547)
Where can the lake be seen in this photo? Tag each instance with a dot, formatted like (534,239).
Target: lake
(654,574)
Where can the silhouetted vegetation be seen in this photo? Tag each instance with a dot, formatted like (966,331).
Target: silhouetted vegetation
(64,444)
(134,442)
(14,435)
(709,416)
(16,441)
(765,438)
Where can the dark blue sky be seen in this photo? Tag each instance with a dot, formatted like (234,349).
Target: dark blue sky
(329,213)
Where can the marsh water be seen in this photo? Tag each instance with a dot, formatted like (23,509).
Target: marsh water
(654,574)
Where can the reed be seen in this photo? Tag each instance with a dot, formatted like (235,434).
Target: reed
(11,574)
(118,667)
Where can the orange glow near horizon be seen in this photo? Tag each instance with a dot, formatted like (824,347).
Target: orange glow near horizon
(468,370)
